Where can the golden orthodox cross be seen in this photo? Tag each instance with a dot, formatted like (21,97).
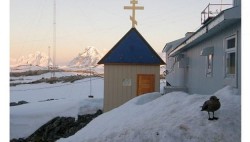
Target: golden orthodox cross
(133,7)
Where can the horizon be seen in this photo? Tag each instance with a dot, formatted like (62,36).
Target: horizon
(42,55)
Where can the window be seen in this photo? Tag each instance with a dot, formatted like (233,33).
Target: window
(208,53)
(209,67)
(230,55)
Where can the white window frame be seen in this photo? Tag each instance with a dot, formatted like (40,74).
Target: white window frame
(228,51)
(209,65)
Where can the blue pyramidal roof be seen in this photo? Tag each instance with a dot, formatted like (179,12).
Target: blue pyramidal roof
(132,49)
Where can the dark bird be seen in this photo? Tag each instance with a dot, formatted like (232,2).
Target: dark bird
(211,105)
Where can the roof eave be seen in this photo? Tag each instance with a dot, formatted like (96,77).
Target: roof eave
(146,64)
(232,14)
(161,62)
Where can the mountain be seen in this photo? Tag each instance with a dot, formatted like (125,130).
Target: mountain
(35,59)
(89,57)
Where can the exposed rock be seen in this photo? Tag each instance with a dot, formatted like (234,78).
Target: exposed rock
(59,127)
(47,100)
(28,73)
(18,103)
(53,80)
(18,140)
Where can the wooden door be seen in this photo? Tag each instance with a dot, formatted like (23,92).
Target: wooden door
(145,83)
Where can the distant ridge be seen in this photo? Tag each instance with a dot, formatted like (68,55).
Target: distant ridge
(89,57)
(34,59)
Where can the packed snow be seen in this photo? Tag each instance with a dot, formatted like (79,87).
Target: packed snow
(173,117)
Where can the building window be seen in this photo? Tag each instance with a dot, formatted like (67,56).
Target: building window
(209,67)
(230,55)
(208,53)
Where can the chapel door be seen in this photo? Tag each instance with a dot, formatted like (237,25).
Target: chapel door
(145,83)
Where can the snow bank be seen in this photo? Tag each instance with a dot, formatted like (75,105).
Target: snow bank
(26,119)
(172,117)
(47,101)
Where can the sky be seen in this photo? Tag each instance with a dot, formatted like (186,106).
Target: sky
(98,23)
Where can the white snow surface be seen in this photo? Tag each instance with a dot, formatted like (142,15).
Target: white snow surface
(173,117)
(69,99)
(152,117)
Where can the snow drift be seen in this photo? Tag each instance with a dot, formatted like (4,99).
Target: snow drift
(173,117)
(26,119)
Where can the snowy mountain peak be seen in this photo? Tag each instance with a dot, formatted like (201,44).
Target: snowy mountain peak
(89,57)
(36,59)
(91,51)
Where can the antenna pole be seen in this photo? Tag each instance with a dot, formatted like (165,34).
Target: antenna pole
(48,57)
(54,39)
(90,83)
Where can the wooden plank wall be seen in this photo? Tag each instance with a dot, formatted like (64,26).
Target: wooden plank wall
(115,92)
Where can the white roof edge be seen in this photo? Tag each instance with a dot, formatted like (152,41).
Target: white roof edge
(170,44)
(175,43)
(231,13)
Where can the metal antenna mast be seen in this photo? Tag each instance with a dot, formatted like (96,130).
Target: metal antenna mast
(48,57)
(54,40)
(90,85)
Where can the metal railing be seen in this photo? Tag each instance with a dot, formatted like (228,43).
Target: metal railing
(212,10)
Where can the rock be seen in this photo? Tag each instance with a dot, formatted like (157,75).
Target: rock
(18,140)
(18,103)
(13,104)
(22,102)
(59,127)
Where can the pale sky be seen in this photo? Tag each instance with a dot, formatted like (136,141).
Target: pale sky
(98,23)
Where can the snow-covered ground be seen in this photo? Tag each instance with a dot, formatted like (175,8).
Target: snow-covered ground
(69,99)
(173,117)
(23,79)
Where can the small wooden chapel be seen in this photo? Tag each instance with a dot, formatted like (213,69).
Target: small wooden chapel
(131,67)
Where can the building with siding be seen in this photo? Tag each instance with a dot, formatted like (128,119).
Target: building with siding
(210,58)
(131,68)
